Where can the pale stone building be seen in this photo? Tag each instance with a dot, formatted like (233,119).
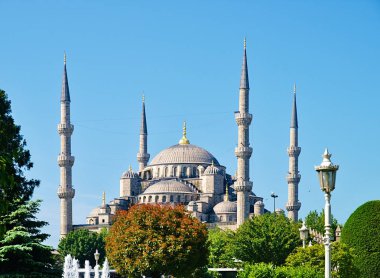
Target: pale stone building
(183,174)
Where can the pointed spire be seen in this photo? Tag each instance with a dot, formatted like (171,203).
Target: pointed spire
(130,168)
(143,128)
(65,95)
(104,199)
(244,82)
(226,197)
(184,140)
(294,119)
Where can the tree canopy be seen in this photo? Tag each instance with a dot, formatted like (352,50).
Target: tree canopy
(342,259)
(221,248)
(316,221)
(21,248)
(268,238)
(82,244)
(156,240)
(361,232)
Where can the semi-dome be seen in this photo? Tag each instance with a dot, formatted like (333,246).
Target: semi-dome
(212,170)
(129,174)
(184,154)
(225,207)
(168,186)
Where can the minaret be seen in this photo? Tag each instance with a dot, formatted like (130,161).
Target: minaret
(65,159)
(143,156)
(293,178)
(243,151)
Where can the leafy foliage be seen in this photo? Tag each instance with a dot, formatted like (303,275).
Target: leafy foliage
(21,248)
(82,244)
(262,270)
(361,232)
(220,247)
(268,238)
(154,240)
(316,221)
(342,259)
(14,160)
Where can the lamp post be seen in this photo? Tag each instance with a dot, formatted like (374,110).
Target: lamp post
(96,255)
(327,175)
(274,196)
(304,233)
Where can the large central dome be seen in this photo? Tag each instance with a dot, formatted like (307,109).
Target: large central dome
(184,154)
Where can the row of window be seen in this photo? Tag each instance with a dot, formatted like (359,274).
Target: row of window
(164,199)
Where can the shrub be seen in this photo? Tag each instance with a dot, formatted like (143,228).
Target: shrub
(361,232)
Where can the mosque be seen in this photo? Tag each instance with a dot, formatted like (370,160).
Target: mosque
(181,174)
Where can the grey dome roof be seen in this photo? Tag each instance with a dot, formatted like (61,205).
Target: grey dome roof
(185,153)
(225,207)
(167,186)
(212,170)
(129,175)
(94,212)
(259,203)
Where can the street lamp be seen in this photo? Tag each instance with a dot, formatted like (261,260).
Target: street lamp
(96,255)
(274,196)
(327,175)
(304,233)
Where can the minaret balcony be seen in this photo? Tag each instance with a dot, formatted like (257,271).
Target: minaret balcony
(292,206)
(294,151)
(143,157)
(293,178)
(244,119)
(243,152)
(245,186)
(65,160)
(65,129)
(65,193)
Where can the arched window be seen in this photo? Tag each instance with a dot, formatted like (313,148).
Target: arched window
(164,199)
(158,172)
(144,199)
(166,174)
(150,199)
(178,198)
(197,172)
(186,198)
(171,198)
(174,171)
(156,199)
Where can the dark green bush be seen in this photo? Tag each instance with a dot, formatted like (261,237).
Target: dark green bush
(361,232)
(262,270)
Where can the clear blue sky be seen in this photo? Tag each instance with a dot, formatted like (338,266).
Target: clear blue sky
(186,56)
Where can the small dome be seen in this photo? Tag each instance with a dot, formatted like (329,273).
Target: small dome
(94,212)
(184,154)
(192,203)
(129,174)
(259,203)
(225,207)
(168,186)
(212,170)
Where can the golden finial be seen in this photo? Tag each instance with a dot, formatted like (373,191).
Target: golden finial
(294,88)
(143,98)
(212,163)
(64,57)
(184,140)
(245,43)
(104,199)
(226,197)
(130,168)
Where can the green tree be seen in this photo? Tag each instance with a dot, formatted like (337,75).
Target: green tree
(316,221)
(14,161)
(21,248)
(361,232)
(157,240)
(342,259)
(20,235)
(268,238)
(263,270)
(82,244)
(220,247)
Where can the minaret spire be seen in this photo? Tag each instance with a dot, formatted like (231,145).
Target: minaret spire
(143,155)
(243,151)
(293,205)
(65,159)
